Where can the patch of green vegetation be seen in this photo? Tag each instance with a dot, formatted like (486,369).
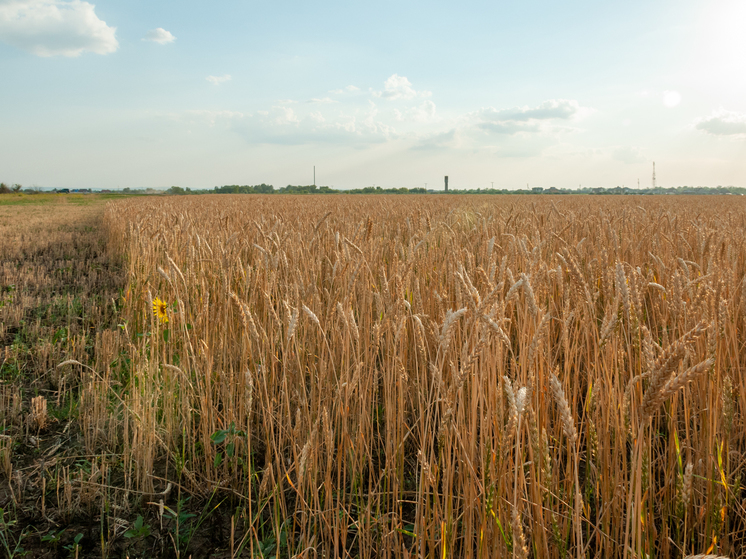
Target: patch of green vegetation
(51,198)
(138,530)
(22,199)
(68,409)
(9,370)
(119,195)
(80,199)
(9,538)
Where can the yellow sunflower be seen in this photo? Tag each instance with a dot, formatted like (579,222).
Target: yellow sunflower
(159,310)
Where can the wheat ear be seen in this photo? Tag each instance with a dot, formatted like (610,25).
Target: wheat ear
(568,425)
(664,366)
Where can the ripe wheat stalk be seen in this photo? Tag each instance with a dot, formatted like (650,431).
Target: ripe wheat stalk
(362,349)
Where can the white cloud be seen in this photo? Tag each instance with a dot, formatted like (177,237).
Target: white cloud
(528,119)
(671,98)
(286,115)
(423,113)
(55,27)
(348,89)
(442,140)
(554,108)
(399,87)
(217,80)
(160,36)
(515,132)
(490,123)
(324,100)
(723,123)
(281,125)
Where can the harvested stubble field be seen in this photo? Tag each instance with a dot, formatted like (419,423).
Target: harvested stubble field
(421,376)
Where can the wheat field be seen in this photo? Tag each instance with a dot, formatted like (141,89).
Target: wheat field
(429,376)
(441,377)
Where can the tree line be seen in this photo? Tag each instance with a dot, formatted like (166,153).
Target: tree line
(314,189)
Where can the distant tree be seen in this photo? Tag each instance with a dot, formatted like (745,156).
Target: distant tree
(17,187)
(175,190)
(264,188)
(4,188)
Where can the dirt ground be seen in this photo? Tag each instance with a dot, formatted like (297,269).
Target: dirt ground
(60,292)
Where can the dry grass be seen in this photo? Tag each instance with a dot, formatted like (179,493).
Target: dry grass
(373,377)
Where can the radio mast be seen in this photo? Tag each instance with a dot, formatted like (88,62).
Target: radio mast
(653,174)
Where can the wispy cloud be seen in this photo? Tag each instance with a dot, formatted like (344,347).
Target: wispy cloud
(323,100)
(160,36)
(399,87)
(281,125)
(422,113)
(359,122)
(528,119)
(439,141)
(217,80)
(348,89)
(723,123)
(54,27)
(285,115)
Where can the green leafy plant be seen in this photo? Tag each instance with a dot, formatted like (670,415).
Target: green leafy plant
(221,436)
(271,545)
(74,548)
(53,538)
(11,542)
(139,529)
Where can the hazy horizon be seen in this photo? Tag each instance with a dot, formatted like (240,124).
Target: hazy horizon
(109,95)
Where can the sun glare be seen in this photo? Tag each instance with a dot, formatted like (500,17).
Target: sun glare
(722,42)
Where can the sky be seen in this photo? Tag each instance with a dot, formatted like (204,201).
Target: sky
(393,94)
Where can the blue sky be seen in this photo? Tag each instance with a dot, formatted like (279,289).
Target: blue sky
(152,94)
